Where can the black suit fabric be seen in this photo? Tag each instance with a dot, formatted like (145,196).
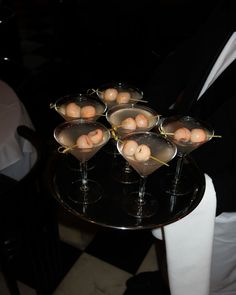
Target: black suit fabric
(179,80)
(184,71)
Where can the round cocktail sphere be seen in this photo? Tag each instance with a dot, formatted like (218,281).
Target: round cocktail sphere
(119,93)
(146,152)
(82,139)
(80,106)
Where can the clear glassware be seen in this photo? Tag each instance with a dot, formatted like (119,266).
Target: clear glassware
(146,152)
(124,119)
(188,134)
(79,106)
(115,93)
(82,139)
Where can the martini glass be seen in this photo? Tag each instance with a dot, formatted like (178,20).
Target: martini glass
(82,139)
(79,106)
(146,152)
(118,93)
(124,119)
(188,134)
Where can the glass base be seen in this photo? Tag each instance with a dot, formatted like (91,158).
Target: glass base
(183,187)
(147,208)
(89,196)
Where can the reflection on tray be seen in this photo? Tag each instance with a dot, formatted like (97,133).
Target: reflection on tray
(108,211)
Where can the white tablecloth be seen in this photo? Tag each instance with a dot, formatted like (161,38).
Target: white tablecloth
(17,155)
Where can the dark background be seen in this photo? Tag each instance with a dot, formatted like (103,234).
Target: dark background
(49,48)
(59,47)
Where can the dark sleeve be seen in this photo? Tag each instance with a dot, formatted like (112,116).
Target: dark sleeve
(166,82)
(217,157)
(225,192)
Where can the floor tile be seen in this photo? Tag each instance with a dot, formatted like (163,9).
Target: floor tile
(24,289)
(51,267)
(92,276)
(149,263)
(3,286)
(76,236)
(69,256)
(124,249)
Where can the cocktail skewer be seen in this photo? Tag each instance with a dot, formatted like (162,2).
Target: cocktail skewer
(64,150)
(53,106)
(172,133)
(156,159)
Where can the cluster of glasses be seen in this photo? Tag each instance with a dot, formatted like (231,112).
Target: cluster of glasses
(133,136)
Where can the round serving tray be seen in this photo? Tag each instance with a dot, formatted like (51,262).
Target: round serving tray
(109,212)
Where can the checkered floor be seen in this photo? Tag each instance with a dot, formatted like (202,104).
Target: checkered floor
(99,260)
(107,259)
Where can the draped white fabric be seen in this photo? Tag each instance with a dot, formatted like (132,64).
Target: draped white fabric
(17,155)
(189,247)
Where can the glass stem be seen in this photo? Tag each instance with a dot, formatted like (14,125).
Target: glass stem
(141,193)
(84,187)
(178,170)
(127,167)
